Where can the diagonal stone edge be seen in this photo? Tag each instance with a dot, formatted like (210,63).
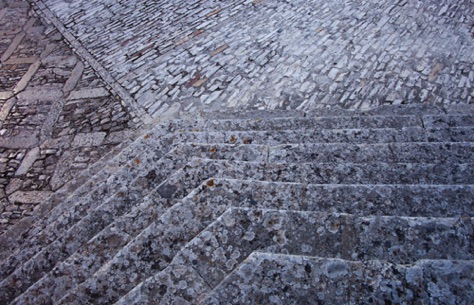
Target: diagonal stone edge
(139,114)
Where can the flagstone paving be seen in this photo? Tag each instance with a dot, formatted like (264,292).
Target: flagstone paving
(56,116)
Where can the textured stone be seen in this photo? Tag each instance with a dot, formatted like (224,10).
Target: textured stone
(88,139)
(88,93)
(287,279)
(29,197)
(28,161)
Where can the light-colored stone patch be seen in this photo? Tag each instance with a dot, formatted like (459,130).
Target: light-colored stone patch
(5,95)
(88,139)
(27,77)
(88,93)
(28,161)
(40,95)
(29,197)
(74,78)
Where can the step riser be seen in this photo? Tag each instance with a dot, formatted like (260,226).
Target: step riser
(376,280)
(363,122)
(399,153)
(324,153)
(375,173)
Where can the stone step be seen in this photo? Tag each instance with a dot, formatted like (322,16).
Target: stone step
(412,200)
(15,235)
(398,152)
(78,225)
(290,279)
(242,152)
(69,212)
(315,123)
(211,256)
(95,179)
(343,122)
(190,216)
(367,153)
(333,152)
(386,110)
(355,136)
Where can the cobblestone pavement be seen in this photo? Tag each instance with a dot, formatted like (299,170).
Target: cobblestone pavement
(56,116)
(166,56)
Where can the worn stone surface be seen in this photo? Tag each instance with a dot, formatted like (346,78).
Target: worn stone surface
(37,72)
(287,279)
(272,54)
(320,191)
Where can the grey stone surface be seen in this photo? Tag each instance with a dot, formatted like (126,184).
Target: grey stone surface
(28,161)
(36,72)
(276,54)
(88,93)
(216,251)
(281,160)
(88,139)
(288,279)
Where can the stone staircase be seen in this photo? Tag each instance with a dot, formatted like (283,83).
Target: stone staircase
(331,206)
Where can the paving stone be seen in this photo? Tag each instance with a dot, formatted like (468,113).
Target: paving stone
(89,139)
(88,93)
(28,161)
(33,77)
(349,57)
(29,197)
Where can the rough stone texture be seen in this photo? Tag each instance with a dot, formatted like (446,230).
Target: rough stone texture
(37,72)
(287,279)
(273,54)
(321,198)
(399,200)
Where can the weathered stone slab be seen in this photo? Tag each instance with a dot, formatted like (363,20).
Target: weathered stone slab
(74,77)
(88,93)
(28,161)
(7,107)
(5,95)
(89,139)
(40,95)
(21,141)
(20,61)
(27,77)
(29,197)
(15,43)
